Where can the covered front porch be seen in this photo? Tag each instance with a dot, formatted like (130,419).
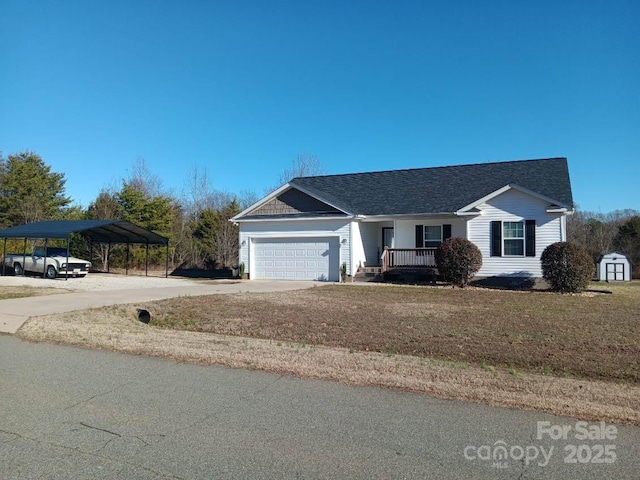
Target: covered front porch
(402,264)
(394,258)
(401,247)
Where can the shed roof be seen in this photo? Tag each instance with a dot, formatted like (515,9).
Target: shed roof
(99,231)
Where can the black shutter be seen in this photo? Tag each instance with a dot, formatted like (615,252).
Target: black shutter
(446,231)
(419,236)
(496,239)
(530,238)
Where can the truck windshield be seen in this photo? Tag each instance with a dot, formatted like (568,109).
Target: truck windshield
(51,251)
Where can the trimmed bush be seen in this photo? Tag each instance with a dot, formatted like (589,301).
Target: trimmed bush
(567,267)
(458,260)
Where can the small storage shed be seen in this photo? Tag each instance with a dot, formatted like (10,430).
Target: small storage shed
(614,267)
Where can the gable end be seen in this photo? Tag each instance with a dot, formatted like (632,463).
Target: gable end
(294,202)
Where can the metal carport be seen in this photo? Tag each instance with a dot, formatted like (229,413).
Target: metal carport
(96,231)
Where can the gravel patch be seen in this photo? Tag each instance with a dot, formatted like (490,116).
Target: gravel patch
(98,282)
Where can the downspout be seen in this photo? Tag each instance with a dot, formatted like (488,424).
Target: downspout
(248,271)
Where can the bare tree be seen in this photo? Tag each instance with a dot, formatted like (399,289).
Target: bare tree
(246,198)
(104,207)
(226,244)
(198,192)
(304,165)
(141,179)
(596,231)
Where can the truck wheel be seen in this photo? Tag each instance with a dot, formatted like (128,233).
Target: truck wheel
(51,272)
(17,269)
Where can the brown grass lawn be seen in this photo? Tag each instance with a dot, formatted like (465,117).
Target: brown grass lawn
(593,335)
(7,292)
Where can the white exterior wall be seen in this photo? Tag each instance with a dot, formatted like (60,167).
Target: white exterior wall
(290,229)
(371,238)
(516,206)
(358,255)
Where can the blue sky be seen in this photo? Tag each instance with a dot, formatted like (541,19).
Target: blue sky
(242,88)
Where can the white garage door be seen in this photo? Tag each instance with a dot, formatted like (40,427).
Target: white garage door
(296,259)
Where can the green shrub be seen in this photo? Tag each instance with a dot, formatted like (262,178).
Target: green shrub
(343,272)
(458,260)
(567,266)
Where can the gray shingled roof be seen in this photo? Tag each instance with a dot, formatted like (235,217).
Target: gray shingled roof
(437,189)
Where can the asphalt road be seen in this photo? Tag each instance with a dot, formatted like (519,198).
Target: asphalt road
(72,413)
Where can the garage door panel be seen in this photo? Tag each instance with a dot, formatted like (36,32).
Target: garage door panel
(296,259)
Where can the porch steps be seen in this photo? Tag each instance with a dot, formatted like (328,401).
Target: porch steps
(368,274)
(411,275)
(396,274)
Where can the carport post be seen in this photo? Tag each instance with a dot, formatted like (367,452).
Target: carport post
(126,267)
(166,262)
(4,255)
(66,270)
(24,256)
(44,259)
(91,251)
(146,262)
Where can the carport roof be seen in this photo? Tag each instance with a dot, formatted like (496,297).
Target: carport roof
(99,231)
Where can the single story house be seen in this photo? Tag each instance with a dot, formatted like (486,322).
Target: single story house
(311,226)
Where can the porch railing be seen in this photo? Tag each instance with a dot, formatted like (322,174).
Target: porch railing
(408,258)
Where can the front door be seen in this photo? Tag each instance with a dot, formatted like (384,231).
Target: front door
(387,237)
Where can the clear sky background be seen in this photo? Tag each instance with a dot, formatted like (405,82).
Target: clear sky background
(241,88)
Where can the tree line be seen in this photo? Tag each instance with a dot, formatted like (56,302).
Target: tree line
(196,221)
(602,233)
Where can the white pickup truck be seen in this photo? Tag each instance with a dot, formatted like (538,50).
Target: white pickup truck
(55,262)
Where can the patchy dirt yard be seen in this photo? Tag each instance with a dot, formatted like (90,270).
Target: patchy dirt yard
(20,291)
(592,335)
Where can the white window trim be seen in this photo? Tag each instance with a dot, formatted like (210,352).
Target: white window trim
(424,235)
(523,238)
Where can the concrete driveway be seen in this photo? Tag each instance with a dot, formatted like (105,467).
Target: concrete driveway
(14,312)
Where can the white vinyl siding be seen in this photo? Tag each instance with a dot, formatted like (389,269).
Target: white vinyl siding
(514,206)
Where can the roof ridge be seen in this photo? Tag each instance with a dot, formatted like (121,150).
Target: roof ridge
(499,162)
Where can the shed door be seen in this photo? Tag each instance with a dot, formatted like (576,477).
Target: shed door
(615,272)
(296,259)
